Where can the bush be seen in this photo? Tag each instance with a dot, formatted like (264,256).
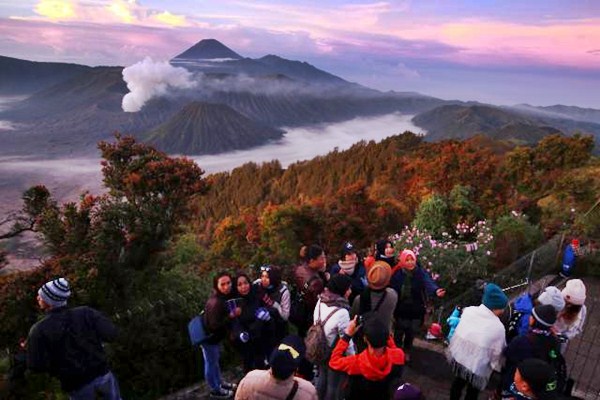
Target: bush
(514,236)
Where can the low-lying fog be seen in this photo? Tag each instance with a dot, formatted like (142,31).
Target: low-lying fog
(67,178)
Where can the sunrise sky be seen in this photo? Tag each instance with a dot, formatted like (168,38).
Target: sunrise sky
(541,52)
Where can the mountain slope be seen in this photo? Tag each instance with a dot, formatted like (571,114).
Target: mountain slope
(301,71)
(25,77)
(205,128)
(560,111)
(461,122)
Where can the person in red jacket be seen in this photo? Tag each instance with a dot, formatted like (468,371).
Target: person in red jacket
(374,373)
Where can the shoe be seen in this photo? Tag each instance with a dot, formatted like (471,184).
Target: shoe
(228,386)
(221,394)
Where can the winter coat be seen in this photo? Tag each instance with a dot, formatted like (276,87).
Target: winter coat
(477,346)
(67,344)
(422,286)
(261,385)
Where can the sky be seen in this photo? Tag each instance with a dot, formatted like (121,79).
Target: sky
(504,52)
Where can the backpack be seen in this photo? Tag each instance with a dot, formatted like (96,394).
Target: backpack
(552,355)
(557,360)
(300,315)
(317,349)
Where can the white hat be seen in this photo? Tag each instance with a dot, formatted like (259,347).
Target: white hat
(552,296)
(574,292)
(55,293)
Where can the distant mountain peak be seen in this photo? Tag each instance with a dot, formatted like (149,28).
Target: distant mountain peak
(209,49)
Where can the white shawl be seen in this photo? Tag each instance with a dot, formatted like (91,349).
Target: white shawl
(477,345)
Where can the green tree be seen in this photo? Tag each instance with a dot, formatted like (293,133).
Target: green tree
(432,215)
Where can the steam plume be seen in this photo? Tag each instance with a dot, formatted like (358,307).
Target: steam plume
(147,79)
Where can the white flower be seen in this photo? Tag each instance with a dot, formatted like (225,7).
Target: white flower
(489,253)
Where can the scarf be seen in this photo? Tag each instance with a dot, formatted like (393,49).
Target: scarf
(477,345)
(348,266)
(406,291)
(334,300)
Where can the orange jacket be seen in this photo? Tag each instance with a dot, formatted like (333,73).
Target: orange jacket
(370,366)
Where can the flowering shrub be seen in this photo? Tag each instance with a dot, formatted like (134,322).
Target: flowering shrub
(460,255)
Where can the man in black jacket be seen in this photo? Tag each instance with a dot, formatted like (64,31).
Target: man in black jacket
(67,344)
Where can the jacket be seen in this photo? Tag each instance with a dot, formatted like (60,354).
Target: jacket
(370,375)
(421,286)
(67,344)
(302,275)
(359,279)
(261,385)
(535,344)
(386,309)
(216,317)
(339,321)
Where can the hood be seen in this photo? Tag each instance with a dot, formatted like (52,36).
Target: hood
(376,368)
(524,303)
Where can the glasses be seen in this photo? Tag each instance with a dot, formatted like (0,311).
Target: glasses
(265,268)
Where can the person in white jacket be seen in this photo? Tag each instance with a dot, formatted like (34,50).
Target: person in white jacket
(477,345)
(333,309)
(571,319)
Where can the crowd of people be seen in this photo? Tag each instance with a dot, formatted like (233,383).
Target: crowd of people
(354,324)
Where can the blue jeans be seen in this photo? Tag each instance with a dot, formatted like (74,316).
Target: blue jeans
(105,386)
(212,371)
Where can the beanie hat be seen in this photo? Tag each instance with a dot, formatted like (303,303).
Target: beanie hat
(539,375)
(405,258)
(552,295)
(376,331)
(544,315)
(406,391)
(339,284)
(347,248)
(574,292)
(379,275)
(286,357)
(493,297)
(55,293)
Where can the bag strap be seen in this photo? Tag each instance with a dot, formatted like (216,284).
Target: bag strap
(329,316)
(380,300)
(307,285)
(293,391)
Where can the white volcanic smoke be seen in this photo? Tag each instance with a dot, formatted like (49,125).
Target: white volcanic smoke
(147,79)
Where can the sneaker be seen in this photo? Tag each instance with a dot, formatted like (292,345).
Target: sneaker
(221,394)
(228,386)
